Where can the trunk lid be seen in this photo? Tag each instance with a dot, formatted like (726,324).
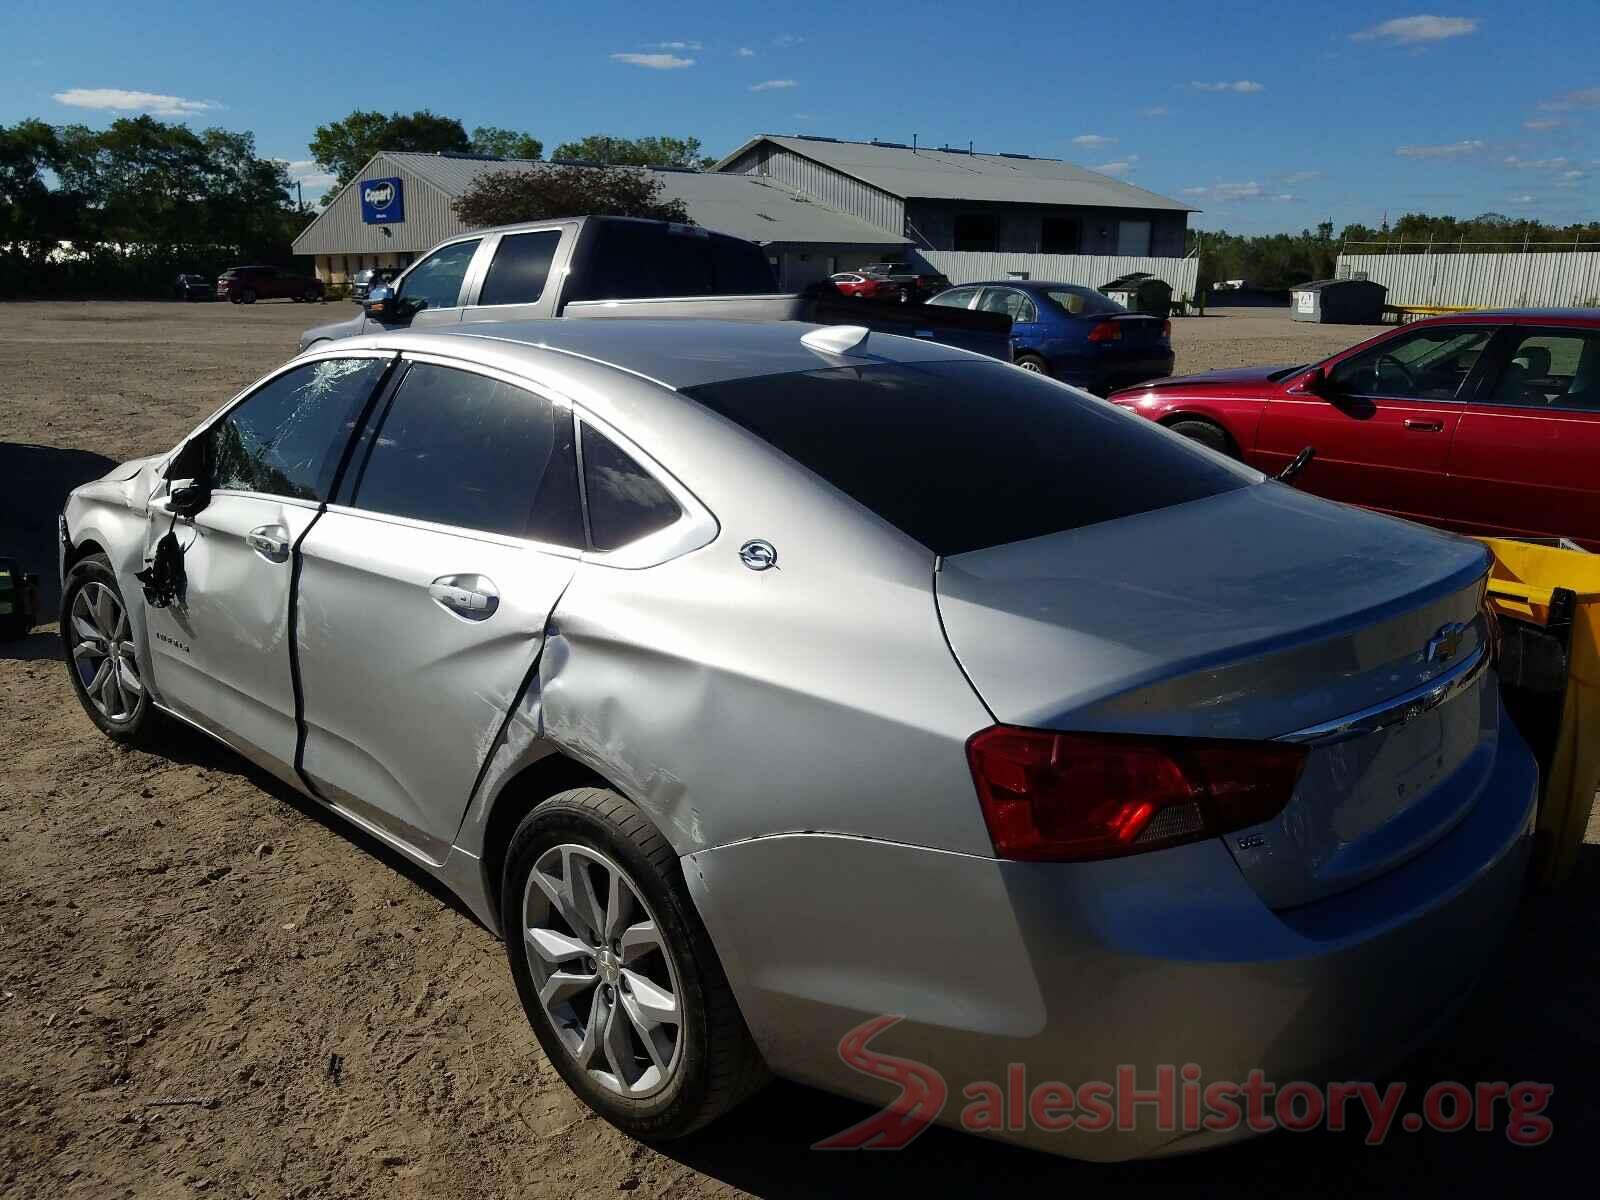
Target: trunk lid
(1252,614)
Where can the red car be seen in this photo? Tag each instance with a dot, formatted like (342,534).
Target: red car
(1485,422)
(246,285)
(866,287)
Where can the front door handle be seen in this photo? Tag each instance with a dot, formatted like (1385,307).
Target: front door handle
(473,597)
(269,541)
(1424,426)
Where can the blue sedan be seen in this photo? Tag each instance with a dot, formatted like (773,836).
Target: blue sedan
(1072,333)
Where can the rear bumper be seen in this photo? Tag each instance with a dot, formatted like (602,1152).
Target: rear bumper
(1073,971)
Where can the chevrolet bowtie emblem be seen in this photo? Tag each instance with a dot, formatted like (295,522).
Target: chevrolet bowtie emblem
(1443,645)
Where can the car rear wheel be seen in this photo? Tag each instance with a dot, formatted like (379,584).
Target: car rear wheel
(98,641)
(1032,362)
(616,973)
(1207,434)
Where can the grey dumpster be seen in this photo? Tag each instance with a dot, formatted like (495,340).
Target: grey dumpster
(1141,293)
(1338,301)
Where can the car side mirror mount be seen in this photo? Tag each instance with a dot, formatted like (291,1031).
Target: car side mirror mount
(1315,382)
(188,496)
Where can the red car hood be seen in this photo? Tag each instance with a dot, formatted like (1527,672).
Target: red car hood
(1246,379)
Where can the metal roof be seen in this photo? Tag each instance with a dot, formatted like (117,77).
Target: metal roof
(757,209)
(950,174)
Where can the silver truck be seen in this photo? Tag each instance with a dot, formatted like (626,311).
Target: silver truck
(625,267)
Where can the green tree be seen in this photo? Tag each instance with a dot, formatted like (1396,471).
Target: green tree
(343,147)
(505,143)
(635,152)
(505,197)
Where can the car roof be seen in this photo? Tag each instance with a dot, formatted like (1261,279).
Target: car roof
(1030,285)
(1586,315)
(679,353)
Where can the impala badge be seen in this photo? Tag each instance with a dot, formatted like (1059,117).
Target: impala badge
(758,555)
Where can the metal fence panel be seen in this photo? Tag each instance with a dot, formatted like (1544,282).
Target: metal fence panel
(1482,280)
(1085,270)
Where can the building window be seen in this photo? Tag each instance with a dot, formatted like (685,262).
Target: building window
(1059,235)
(976,231)
(1133,238)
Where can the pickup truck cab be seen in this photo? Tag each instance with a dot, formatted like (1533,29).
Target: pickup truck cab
(622,267)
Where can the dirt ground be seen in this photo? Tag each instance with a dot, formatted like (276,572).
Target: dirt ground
(178,927)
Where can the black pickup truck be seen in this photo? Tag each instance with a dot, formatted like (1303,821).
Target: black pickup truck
(624,267)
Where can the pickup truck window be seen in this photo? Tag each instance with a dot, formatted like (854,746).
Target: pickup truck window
(520,268)
(435,282)
(639,261)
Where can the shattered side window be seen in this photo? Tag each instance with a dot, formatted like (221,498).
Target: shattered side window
(285,438)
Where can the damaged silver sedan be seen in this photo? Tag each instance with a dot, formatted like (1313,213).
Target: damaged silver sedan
(760,683)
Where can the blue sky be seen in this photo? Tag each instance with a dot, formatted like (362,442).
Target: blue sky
(1268,117)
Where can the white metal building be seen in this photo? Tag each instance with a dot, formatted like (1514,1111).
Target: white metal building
(399,204)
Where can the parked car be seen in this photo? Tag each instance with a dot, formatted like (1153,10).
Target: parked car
(364,281)
(914,283)
(623,267)
(246,285)
(755,680)
(1485,422)
(866,287)
(1072,333)
(191,287)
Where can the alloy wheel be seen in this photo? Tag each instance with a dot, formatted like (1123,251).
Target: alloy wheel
(1028,364)
(605,980)
(103,654)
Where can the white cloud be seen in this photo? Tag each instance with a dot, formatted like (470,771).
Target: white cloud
(1155,110)
(1119,168)
(1543,123)
(787,39)
(1410,31)
(1294,177)
(805,116)
(656,62)
(1227,192)
(768,85)
(677,45)
(307,174)
(1571,179)
(1535,164)
(745,52)
(1238,85)
(1453,150)
(1524,198)
(1093,141)
(122,100)
(1567,101)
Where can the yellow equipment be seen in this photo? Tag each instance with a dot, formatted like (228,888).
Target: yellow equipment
(1555,595)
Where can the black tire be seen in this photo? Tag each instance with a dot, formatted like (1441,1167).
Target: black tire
(1033,363)
(1207,434)
(248,296)
(137,726)
(312,295)
(716,1064)
(233,298)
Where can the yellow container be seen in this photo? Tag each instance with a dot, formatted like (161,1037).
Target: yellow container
(1521,586)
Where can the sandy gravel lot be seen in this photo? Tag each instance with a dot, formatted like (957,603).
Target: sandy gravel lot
(178,926)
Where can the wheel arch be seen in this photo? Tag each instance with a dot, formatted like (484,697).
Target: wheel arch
(1168,420)
(532,783)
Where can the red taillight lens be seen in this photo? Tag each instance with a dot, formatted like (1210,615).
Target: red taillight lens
(1068,797)
(1166,330)
(1106,331)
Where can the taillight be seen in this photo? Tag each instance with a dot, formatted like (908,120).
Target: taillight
(1106,331)
(1166,330)
(1069,797)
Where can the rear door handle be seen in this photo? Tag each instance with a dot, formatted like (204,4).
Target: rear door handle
(1424,426)
(473,597)
(269,541)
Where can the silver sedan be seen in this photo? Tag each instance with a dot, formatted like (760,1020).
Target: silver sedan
(759,681)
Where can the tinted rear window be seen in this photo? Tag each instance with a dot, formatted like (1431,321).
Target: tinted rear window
(963,455)
(638,261)
(520,268)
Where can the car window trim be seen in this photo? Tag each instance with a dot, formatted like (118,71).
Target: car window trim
(380,410)
(557,274)
(468,280)
(1470,386)
(695,527)
(229,405)
(1506,343)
